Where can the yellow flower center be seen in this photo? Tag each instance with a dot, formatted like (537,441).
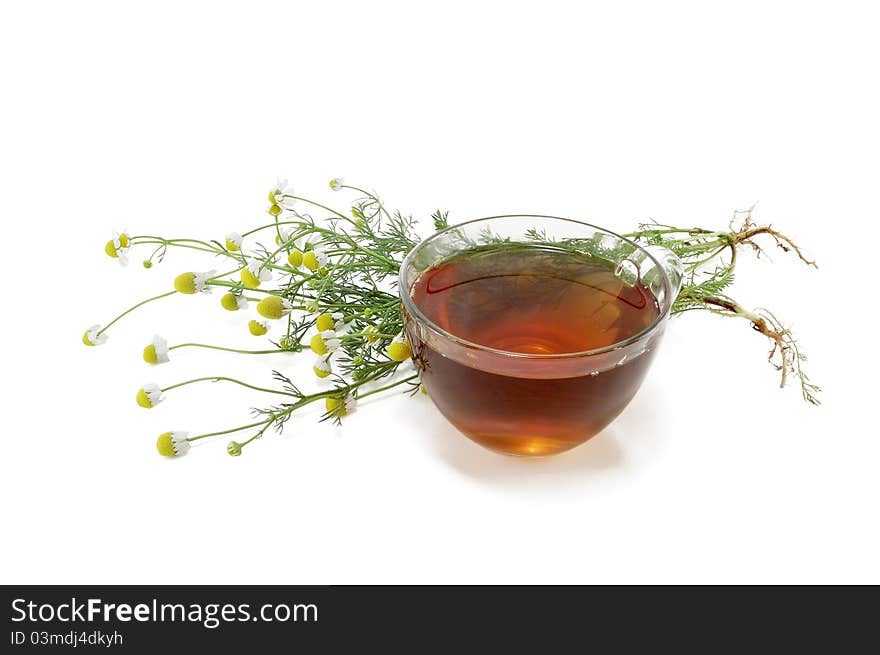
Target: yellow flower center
(271,307)
(143,399)
(320,372)
(231,246)
(371,333)
(249,280)
(295,258)
(150,354)
(332,403)
(123,241)
(256,328)
(110,249)
(274,210)
(86,339)
(229,301)
(317,345)
(185,283)
(325,322)
(399,352)
(310,259)
(165,446)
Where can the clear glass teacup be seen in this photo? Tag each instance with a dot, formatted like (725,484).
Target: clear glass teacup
(532,333)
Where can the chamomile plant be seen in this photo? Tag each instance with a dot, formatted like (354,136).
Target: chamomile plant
(320,281)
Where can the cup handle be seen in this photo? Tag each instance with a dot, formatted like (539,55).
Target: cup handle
(641,266)
(671,265)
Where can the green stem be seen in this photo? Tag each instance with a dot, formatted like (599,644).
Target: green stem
(258,434)
(230,350)
(354,336)
(388,386)
(182,243)
(229,431)
(134,307)
(369,195)
(307,400)
(317,204)
(219,378)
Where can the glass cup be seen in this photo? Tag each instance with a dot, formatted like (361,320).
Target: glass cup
(535,403)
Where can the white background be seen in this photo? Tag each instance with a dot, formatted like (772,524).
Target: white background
(174,118)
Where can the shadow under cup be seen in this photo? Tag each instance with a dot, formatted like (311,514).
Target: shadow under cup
(531,401)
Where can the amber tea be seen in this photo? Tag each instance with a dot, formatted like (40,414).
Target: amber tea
(517,313)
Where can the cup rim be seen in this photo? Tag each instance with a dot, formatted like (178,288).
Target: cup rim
(411,307)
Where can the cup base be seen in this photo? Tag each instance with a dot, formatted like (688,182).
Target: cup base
(524,446)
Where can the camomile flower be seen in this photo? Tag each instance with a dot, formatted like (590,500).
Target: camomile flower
(399,349)
(149,396)
(254,273)
(295,258)
(190,283)
(93,336)
(258,328)
(332,321)
(274,307)
(314,259)
(340,406)
(172,444)
(118,246)
(233,302)
(279,197)
(233,242)
(157,351)
(321,367)
(282,235)
(371,333)
(336,183)
(281,189)
(324,342)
